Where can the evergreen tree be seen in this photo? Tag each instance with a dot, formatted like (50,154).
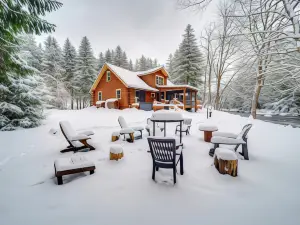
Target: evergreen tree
(125,64)
(188,67)
(149,63)
(155,63)
(108,57)
(69,67)
(101,61)
(85,70)
(136,65)
(112,56)
(143,63)
(130,65)
(118,60)
(170,66)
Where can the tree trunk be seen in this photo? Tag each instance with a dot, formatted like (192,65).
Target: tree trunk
(258,86)
(77,103)
(72,99)
(217,100)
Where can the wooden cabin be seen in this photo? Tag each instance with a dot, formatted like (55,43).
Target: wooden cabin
(146,88)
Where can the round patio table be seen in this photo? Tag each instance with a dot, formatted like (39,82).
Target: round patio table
(167,117)
(208,129)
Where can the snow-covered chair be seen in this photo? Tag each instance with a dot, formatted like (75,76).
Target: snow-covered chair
(149,127)
(165,155)
(226,138)
(124,125)
(187,123)
(77,141)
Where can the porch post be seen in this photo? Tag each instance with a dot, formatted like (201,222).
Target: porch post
(184,98)
(195,101)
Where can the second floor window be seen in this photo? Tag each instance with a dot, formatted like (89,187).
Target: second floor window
(159,80)
(107,76)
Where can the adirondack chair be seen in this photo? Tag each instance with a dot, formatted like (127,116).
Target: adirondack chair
(77,141)
(187,123)
(226,138)
(149,127)
(164,155)
(124,125)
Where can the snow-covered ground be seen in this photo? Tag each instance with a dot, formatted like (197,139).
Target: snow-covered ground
(266,190)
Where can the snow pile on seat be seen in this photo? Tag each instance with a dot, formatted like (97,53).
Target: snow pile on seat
(224,134)
(207,127)
(126,130)
(225,140)
(99,102)
(71,163)
(225,154)
(116,149)
(166,115)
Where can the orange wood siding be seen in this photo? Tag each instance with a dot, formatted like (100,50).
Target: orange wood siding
(150,79)
(109,90)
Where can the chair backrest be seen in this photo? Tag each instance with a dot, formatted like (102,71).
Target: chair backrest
(245,131)
(187,121)
(163,150)
(122,122)
(67,129)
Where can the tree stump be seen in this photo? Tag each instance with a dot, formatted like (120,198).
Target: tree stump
(226,162)
(115,136)
(116,152)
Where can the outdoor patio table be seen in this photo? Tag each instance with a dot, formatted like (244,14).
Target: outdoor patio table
(208,129)
(167,117)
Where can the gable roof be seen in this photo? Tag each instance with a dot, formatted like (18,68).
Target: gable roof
(129,78)
(162,68)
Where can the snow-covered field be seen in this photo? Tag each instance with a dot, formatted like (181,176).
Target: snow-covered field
(266,190)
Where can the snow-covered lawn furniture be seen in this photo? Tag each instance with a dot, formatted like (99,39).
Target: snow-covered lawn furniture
(130,132)
(124,125)
(226,161)
(166,116)
(164,155)
(187,123)
(116,152)
(232,139)
(149,127)
(77,141)
(208,129)
(75,164)
(115,136)
(100,104)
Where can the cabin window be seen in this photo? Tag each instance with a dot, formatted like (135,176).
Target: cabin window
(100,96)
(108,76)
(152,95)
(159,80)
(118,93)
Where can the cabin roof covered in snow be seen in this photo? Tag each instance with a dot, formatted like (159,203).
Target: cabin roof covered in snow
(129,78)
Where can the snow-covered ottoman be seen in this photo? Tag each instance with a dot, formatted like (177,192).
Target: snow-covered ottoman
(208,129)
(116,152)
(75,164)
(115,136)
(226,161)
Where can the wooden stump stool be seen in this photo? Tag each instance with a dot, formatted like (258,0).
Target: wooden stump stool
(115,136)
(208,129)
(116,152)
(226,162)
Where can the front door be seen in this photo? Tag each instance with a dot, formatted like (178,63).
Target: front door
(142,96)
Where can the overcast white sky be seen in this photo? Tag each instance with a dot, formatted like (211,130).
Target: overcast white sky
(150,27)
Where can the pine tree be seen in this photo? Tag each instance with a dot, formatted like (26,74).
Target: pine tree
(85,70)
(118,60)
(188,70)
(155,63)
(170,65)
(101,61)
(149,63)
(69,66)
(53,73)
(125,64)
(108,57)
(112,56)
(130,65)
(136,65)
(143,63)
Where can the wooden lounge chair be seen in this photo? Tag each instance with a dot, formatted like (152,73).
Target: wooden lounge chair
(163,152)
(124,125)
(226,138)
(187,123)
(77,141)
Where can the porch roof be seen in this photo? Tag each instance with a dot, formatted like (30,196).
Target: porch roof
(179,86)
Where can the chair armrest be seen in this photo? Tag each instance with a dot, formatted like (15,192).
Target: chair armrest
(88,133)
(79,137)
(224,134)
